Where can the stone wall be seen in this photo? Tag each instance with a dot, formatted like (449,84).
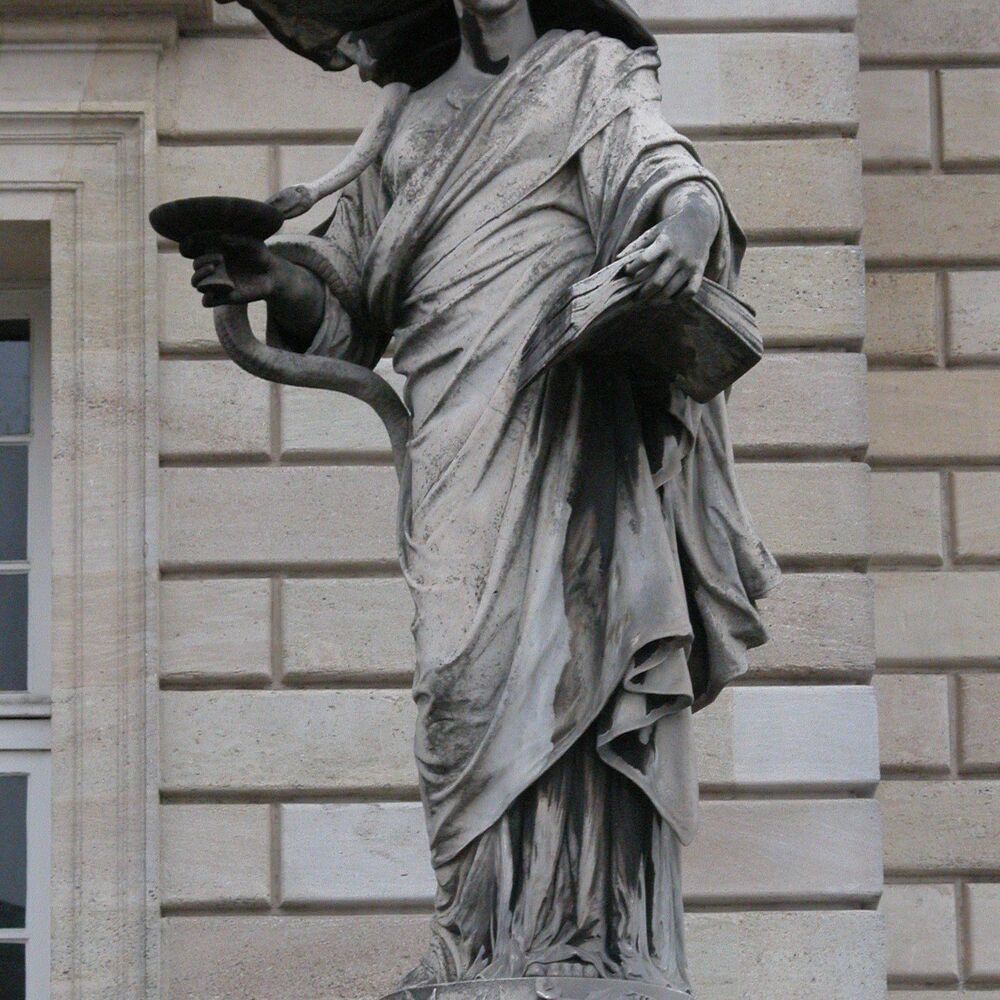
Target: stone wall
(293,855)
(931,141)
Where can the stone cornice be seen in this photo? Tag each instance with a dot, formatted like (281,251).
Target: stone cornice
(125,20)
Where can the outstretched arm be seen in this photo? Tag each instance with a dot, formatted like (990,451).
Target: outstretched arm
(299,198)
(672,255)
(295,296)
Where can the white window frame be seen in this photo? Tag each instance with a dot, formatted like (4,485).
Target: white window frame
(25,729)
(32,304)
(24,750)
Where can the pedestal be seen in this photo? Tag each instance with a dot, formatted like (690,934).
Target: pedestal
(547,988)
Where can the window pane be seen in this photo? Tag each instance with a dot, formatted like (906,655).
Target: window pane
(13,849)
(13,503)
(13,632)
(12,985)
(15,377)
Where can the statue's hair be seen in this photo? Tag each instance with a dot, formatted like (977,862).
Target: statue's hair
(414,41)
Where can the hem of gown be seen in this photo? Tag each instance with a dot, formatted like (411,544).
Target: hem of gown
(563,747)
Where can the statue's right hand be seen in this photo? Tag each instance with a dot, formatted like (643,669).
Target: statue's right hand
(250,265)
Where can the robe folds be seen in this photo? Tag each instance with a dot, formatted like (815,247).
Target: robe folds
(582,566)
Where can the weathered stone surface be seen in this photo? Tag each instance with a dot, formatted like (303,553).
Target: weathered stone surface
(315,515)
(913,721)
(353,630)
(348,853)
(790,189)
(287,741)
(806,296)
(213,408)
(759,80)
(902,317)
(660,13)
(277,515)
(895,117)
(810,512)
(360,740)
(974,316)
(803,850)
(922,937)
(232,15)
(940,827)
(747,12)
(202,75)
(802,404)
(977,527)
(934,415)
(796,956)
(81,74)
(212,854)
(983,903)
(945,995)
(236,171)
(906,518)
(937,618)
(971,104)
(979,737)
(920,217)
(920,29)
(790,737)
(734,857)
(819,626)
(794,80)
(346,631)
(215,630)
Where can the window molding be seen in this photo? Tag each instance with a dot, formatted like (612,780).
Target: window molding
(83,173)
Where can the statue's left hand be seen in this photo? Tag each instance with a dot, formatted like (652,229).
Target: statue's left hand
(671,257)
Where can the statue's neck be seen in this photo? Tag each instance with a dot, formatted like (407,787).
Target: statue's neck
(490,44)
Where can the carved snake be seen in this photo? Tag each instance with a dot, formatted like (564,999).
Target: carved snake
(315,372)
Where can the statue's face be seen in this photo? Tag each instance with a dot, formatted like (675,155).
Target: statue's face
(489,8)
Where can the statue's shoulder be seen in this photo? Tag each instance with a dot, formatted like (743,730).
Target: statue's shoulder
(612,58)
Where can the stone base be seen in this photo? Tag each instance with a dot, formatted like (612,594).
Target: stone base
(543,988)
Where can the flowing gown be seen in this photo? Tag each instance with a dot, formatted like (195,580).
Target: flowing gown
(582,567)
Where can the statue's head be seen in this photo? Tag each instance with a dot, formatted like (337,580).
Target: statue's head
(414,41)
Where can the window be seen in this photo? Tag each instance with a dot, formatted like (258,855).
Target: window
(25,670)
(24,862)
(25,474)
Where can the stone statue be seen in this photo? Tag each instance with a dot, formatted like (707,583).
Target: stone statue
(583,568)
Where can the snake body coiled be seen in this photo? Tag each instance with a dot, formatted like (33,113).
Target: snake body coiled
(232,327)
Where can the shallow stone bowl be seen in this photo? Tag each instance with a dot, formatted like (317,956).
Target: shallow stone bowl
(197,225)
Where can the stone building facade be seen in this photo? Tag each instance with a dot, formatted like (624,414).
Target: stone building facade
(233,804)
(930,136)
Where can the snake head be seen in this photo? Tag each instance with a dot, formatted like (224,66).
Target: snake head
(293,201)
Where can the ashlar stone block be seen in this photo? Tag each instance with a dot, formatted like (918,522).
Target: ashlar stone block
(736,856)
(212,630)
(914,722)
(215,854)
(895,117)
(922,938)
